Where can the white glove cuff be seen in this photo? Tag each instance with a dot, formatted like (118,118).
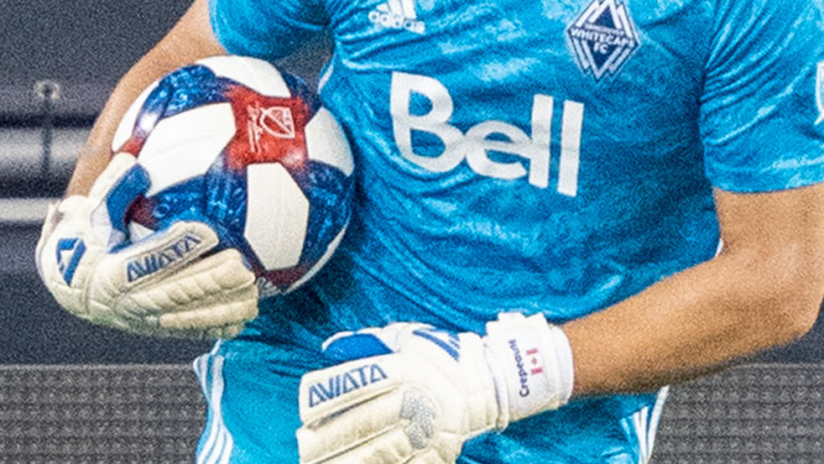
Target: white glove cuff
(531,362)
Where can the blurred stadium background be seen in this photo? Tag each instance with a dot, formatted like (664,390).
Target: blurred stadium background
(73,393)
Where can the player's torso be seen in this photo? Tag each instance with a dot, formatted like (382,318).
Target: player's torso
(531,154)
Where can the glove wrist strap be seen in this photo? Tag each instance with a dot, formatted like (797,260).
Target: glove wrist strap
(531,362)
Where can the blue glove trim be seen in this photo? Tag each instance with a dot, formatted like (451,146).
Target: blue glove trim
(448,341)
(77,248)
(133,183)
(356,346)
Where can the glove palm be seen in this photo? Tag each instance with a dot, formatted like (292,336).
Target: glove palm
(413,409)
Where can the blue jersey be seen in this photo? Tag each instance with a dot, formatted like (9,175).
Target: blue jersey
(541,156)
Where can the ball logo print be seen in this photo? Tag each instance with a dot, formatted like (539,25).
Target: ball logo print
(276,121)
(234,143)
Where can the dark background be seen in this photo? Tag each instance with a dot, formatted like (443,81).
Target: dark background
(85,46)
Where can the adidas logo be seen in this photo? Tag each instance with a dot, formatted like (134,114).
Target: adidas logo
(398,14)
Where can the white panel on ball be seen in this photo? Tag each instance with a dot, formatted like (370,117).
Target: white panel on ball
(325,142)
(258,75)
(126,128)
(185,145)
(277,215)
(138,232)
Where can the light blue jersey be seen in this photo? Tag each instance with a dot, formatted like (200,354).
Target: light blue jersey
(542,156)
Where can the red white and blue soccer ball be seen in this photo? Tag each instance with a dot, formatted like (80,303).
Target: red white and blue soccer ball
(235,143)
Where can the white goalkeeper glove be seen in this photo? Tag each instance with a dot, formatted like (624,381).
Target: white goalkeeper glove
(415,394)
(163,285)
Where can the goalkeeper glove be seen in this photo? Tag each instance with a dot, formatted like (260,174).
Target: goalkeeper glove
(415,394)
(163,285)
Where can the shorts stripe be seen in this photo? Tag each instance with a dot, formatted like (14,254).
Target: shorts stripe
(639,421)
(217,449)
(645,424)
(655,418)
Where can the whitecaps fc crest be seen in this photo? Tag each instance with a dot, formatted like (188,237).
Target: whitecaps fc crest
(603,37)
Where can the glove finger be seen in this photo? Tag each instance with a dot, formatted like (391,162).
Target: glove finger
(208,333)
(392,447)
(210,298)
(220,278)
(213,316)
(49,225)
(370,432)
(112,193)
(356,437)
(329,391)
(118,166)
(68,249)
(79,229)
(225,332)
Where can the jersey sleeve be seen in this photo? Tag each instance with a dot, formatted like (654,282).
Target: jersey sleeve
(762,112)
(268,29)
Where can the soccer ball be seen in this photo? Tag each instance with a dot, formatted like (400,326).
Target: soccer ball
(233,142)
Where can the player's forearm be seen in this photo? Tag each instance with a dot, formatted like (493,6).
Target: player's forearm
(97,150)
(189,40)
(693,323)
